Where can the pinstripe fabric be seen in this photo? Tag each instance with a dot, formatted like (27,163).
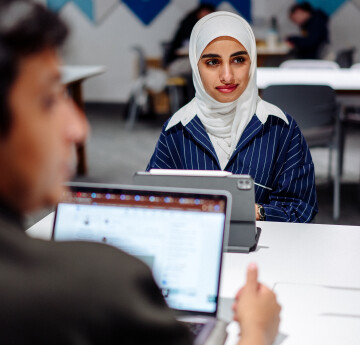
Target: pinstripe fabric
(274,154)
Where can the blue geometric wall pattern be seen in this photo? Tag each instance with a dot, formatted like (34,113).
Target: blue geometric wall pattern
(328,6)
(146,10)
(86,6)
(103,8)
(95,10)
(242,6)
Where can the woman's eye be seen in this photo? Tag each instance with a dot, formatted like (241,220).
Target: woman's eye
(239,59)
(212,62)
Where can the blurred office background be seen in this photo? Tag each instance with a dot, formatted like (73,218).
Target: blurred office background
(114,28)
(105,32)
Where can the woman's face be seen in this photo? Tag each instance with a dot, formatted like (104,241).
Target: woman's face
(224,69)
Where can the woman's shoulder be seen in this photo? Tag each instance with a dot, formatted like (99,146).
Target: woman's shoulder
(283,131)
(170,127)
(288,125)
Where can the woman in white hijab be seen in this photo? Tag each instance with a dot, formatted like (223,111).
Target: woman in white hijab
(228,127)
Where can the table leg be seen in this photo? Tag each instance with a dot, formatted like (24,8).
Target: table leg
(76,92)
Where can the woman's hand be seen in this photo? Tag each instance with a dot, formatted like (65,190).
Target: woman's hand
(257,311)
(257,212)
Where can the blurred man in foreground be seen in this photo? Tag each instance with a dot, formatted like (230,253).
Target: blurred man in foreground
(74,292)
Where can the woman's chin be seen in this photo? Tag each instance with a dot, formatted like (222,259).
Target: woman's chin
(226,98)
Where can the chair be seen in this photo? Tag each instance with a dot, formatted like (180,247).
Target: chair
(352,112)
(310,64)
(352,117)
(151,80)
(315,110)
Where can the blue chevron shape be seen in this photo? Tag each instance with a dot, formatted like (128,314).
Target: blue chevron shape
(242,6)
(328,6)
(146,10)
(86,6)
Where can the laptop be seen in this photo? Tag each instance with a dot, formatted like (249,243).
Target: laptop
(179,233)
(244,235)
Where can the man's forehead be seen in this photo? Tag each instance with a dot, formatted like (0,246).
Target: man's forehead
(42,67)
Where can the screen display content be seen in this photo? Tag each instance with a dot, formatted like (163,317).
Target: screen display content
(179,236)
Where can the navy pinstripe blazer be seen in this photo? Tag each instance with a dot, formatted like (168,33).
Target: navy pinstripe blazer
(275,154)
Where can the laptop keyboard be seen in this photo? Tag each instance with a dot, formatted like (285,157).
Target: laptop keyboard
(195,327)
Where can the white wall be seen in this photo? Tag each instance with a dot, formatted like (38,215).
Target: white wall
(109,42)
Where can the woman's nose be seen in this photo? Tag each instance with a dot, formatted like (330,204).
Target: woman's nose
(226,74)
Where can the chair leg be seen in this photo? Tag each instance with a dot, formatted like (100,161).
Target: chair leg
(133,113)
(336,206)
(342,145)
(330,163)
(134,107)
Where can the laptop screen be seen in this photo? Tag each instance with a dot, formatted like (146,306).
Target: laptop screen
(179,235)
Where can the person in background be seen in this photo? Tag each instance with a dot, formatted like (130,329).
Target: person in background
(227,126)
(182,35)
(314,31)
(177,64)
(72,292)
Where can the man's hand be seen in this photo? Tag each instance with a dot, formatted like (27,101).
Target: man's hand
(257,311)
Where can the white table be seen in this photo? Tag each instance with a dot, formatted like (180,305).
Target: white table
(300,259)
(265,52)
(342,79)
(278,49)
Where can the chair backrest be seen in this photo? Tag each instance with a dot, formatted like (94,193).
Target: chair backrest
(310,105)
(310,64)
(356,66)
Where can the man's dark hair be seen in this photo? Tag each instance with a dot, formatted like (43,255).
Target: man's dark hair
(26,28)
(305,6)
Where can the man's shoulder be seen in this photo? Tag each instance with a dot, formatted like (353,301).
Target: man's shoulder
(75,265)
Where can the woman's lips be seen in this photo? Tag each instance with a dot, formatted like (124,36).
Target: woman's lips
(226,88)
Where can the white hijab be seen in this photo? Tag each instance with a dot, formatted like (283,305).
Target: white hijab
(224,120)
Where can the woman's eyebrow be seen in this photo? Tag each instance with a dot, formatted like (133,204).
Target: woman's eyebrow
(240,52)
(206,56)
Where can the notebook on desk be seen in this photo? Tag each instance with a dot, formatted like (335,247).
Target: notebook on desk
(179,233)
(244,235)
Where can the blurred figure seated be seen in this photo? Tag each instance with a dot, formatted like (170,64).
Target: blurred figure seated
(314,31)
(176,63)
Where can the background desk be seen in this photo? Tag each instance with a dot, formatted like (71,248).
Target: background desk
(343,80)
(72,77)
(265,53)
(300,254)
